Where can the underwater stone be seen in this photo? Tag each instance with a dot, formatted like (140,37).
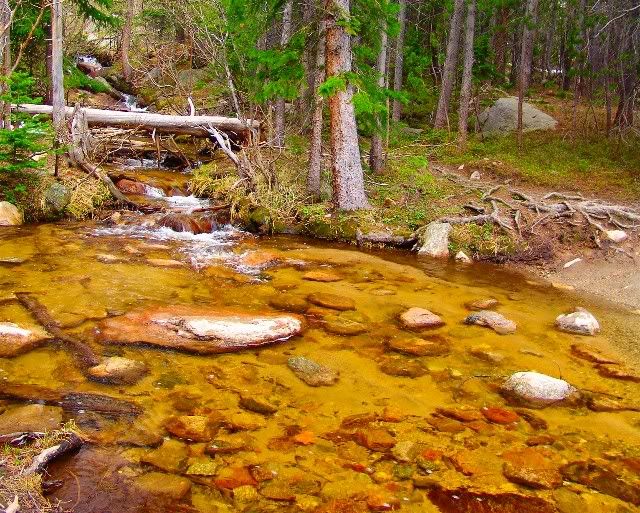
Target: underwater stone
(537,389)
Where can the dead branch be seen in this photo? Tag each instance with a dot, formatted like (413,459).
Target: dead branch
(71,443)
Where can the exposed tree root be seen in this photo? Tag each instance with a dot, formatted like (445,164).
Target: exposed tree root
(572,209)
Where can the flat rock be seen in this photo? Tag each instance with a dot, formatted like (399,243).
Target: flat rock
(312,373)
(32,417)
(116,370)
(600,477)
(483,352)
(198,329)
(420,318)
(374,439)
(434,242)
(16,340)
(159,483)
(537,390)
(332,301)
(415,346)
(465,500)
(497,322)
(289,303)
(171,456)
(193,428)
(321,276)
(482,304)
(402,367)
(165,262)
(257,405)
(9,214)
(344,325)
(529,467)
(580,322)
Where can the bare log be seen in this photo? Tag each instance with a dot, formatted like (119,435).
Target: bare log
(180,125)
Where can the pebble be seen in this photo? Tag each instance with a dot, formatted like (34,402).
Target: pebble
(257,405)
(375,439)
(332,301)
(499,415)
(402,367)
(497,322)
(321,276)
(415,346)
(482,304)
(420,318)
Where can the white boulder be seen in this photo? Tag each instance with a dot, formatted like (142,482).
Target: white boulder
(9,214)
(435,240)
(580,322)
(537,390)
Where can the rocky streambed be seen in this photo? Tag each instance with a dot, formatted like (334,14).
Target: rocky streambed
(209,370)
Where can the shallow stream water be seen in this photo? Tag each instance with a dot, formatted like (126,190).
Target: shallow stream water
(308,452)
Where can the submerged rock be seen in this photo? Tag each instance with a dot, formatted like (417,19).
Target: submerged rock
(321,276)
(116,370)
(415,346)
(497,322)
(619,372)
(420,318)
(344,324)
(375,439)
(402,367)
(591,354)
(434,241)
(9,214)
(482,304)
(332,301)
(191,223)
(257,405)
(171,456)
(580,322)
(289,303)
(312,373)
(131,186)
(464,500)
(32,418)
(16,340)
(529,467)
(537,390)
(198,329)
(168,485)
(600,477)
(194,428)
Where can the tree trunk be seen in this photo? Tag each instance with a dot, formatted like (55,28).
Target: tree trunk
(5,61)
(500,39)
(449,72)
(528,32)
(376,153)
(279,114)
(346,167)
(126,39)
(467,74)
(399,59)
(57,78)
(315,147)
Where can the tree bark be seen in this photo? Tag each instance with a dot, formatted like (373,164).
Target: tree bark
(449,72)
(5,61)
(399,59)
(467,74)
(279,114)
(500,39)
(346,167)
(125,44)
(57,78)
(528,32)
(376,153)
(315,147)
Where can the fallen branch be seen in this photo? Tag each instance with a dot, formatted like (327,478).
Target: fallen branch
(81,351)
(71,443)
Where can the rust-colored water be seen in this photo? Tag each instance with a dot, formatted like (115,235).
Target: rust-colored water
(309,464)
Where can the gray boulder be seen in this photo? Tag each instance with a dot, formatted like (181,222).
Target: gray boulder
(502,118)
(57,197)
(435,240)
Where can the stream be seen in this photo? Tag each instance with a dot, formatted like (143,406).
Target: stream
(323,394)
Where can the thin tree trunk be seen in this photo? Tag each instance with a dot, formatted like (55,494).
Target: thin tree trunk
(448,75)
(399,59)
(579,63)
(467,74)
(346,167)
(309,61)
(315,147)
(500,39)
(57,79)
(280,104)
(5,61)
(126,40)
(528,32)
(376,153)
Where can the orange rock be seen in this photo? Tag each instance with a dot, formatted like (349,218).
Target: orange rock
(234,477)
(321,276)
(305,438)
(375,439)
(392,414)
(500,415)
(260,259)
(380,501)
(431,454)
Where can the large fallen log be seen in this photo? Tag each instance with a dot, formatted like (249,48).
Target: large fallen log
(181,125)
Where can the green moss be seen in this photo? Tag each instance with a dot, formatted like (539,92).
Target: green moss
(483,240)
